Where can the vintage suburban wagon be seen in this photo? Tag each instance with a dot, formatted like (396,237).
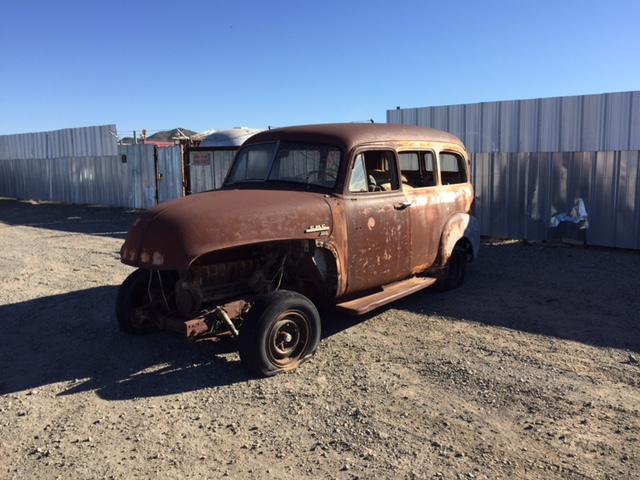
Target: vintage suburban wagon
(349,216)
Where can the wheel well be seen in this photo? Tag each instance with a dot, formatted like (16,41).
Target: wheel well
(461,229)
(466,244)
(297,265)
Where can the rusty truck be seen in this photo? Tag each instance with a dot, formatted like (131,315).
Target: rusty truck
(343,216)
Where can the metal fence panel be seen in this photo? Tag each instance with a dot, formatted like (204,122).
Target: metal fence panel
(616,129)
(537,192)
(104,180)
(27,179)
(519,193)
(208,168)
(508,124)
(627,212)
(70,142)
(605,122)
(170,173)
(604,194)
(139,176)
(592,115)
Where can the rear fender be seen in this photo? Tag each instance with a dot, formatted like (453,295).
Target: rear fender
(459,226)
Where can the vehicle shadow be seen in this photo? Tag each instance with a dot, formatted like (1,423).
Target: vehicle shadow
(569,293)
(73,339)
(87,219)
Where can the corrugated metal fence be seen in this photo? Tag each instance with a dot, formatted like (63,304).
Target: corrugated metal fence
(208,167)
(518,194)
(586,123)
(86,166)
(535,159)
(70,142)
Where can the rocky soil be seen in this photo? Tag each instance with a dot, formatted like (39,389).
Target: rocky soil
(528,371)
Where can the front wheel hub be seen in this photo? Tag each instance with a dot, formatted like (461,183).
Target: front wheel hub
(286,338)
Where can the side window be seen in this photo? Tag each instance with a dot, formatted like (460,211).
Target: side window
(410,169)
(430,174)
(417,169)
(376,169)
(409,162)
(452,169)
(358,182)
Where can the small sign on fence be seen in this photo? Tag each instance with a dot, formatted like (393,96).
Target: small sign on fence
(200,158)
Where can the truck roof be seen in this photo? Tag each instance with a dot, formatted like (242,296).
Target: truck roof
(348,135)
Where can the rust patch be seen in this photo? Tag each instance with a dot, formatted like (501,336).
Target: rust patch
(158,258)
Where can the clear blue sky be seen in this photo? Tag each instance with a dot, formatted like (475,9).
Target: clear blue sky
(225,63)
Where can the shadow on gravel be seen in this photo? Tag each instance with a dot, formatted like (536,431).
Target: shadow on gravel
(87,219)
(74,339)
(580,294)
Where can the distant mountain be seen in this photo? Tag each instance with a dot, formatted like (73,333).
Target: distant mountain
(168,135)
(163,136)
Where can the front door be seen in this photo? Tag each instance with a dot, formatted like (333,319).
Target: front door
(379,251)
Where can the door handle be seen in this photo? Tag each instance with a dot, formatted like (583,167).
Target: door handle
(402,205)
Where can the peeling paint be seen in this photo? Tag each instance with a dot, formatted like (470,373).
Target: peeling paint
(158,258)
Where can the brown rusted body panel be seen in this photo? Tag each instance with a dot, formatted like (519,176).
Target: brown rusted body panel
(173,235)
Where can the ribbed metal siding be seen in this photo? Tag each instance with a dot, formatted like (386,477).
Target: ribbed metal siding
(211,176)
(96,180)
(170,174)
(27,179)
(585,123)
(518,193)
(136,181)
(70,142)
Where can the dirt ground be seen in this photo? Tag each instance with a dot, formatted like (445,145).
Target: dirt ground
(528,371)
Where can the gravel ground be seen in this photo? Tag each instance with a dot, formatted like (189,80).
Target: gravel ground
(528,371)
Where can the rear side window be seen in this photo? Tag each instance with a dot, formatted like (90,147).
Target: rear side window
(417,168)
(429,177)
(410,169)
(452,169)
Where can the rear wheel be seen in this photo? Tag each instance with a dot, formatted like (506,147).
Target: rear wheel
(280,332)
(143,295)
(455,271)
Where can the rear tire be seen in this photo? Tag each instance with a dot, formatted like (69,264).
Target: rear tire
(280,332)
(455,271)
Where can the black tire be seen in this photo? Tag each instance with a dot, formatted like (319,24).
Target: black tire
(455,271)
(143,288)
(280,332)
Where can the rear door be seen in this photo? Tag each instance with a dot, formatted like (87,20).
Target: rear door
(439,187)
(419,169)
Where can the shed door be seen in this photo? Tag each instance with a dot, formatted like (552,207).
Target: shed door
(169,174)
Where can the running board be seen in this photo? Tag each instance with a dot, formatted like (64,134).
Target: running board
(389,293)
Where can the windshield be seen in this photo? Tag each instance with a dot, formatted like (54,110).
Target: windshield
(298,162)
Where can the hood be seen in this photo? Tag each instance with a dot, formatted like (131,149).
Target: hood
(172,235)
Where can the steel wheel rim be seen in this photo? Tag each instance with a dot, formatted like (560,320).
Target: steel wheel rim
(288,338)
